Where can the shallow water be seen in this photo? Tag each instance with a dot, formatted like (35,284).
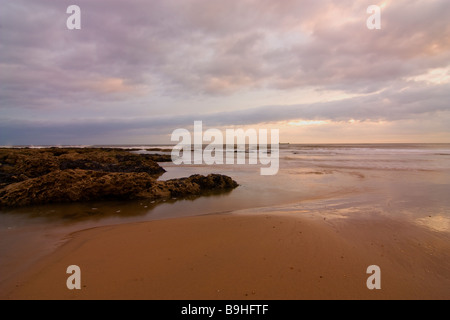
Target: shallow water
(409,182)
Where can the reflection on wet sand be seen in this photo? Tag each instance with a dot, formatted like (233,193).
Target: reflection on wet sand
(438,222)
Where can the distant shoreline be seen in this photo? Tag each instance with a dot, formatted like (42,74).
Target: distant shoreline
(143,146)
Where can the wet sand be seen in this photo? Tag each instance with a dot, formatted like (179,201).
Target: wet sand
(246,255)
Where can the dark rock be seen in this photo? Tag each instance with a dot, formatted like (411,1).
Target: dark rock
(213,181)
(53,175)
(136,163)
(74,185)
(159,157)
(87,185)
(81,164)
(159,149)
(32,163)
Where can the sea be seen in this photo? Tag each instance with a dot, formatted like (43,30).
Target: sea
(408,182)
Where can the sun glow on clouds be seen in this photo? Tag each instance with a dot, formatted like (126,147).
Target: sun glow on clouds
(307,122)
(434,76)
(112,85)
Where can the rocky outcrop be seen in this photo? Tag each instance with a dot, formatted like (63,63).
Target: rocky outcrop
(159,157)
(32,177)
(21,164)
(87,185)
(73,185)
(194,185)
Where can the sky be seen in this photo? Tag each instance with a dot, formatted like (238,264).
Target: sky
(138,70)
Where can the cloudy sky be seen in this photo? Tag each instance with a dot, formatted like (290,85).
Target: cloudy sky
(137,70)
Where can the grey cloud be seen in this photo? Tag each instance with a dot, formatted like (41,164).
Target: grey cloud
(186,45)
(390,105)
(198,49)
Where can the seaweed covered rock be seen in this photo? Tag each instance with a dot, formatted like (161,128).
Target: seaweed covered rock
(86,185)
(194,185)
(21,164)
(57,175)
(72,186)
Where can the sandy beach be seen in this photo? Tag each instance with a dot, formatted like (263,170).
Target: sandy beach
(246,256)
